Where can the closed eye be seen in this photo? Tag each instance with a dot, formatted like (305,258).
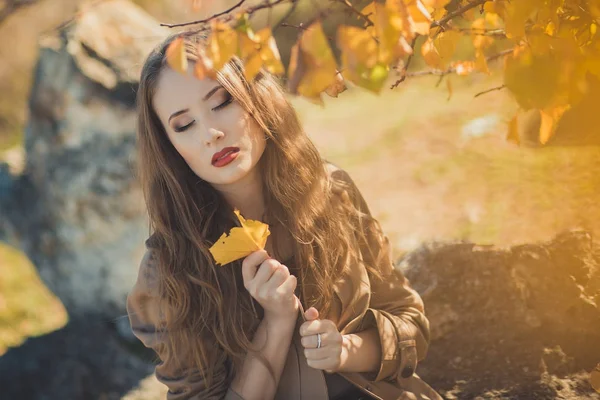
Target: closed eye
(228,100)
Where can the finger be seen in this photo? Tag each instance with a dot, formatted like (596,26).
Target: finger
(311,314)
(266,269)
(251,263)
(288,287)
(311,341)
(317,354)
(312,327)
(317,326)
(279,276)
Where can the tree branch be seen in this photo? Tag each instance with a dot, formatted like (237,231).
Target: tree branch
(201,21)
(226,15)
(286,16)
(355,11)
(405,68)
(490,90)
(457,12)
(500,33)
(447,71)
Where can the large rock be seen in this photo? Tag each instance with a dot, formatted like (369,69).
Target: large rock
(78,211)
(522,322)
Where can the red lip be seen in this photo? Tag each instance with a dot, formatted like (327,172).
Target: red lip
(218,154)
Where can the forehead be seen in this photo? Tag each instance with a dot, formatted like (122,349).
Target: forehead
(176,91)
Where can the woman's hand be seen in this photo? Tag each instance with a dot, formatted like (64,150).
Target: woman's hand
(331,354)
(269,282)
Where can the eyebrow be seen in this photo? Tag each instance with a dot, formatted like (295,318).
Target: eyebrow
(206,97)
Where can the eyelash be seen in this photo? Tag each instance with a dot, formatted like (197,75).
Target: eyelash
(217,108)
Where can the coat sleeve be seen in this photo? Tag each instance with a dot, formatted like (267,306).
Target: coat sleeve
(395,309)
(184,381)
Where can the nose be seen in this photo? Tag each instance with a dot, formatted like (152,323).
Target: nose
(213,136)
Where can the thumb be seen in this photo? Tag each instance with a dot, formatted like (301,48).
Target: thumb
(311,314)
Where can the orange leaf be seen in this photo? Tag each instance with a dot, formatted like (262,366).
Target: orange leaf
(176,56)
(312,65)
(513,130)
(204,66)
(336,88)
(464,67)
(222,44)
(550,117)
(241,241)
(430,54)
(420,16)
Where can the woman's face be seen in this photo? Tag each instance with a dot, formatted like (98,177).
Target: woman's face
(216,137)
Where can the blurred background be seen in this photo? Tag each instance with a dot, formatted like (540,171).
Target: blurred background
(431,159)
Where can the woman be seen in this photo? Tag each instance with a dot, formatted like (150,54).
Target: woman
(207,147)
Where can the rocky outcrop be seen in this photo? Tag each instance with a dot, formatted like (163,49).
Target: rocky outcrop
(76,207)
(511,322)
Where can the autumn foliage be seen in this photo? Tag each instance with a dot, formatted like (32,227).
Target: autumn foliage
(549,49)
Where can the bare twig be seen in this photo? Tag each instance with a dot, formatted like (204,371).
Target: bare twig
(449,70)
(214,16)
(402,72)
(225,16)
(490,90)
(499,55)
(11,6)
(286,16)
(457,12)
(355,11)
(483,32)
(304,26)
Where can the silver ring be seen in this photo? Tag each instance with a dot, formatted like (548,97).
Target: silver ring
(318,340)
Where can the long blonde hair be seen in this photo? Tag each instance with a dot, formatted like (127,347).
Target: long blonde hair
(187,215)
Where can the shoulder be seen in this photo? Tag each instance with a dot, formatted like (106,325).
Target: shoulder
(342,184)
(147,277)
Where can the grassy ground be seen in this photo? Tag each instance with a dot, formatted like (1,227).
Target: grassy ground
(427,176)
(27,307)
(424,176)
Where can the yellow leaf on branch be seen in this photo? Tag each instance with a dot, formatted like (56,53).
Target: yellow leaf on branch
(241,241)
(176,56)
(360,58)
(312,65)
(549,121)
(337,87)
(222,44)
(259,50)
(513,130)
(480,41)
(463,68)
(430,54)
(420,16)
(446,43)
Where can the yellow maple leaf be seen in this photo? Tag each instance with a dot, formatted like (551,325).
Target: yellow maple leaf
(241,241)
(176,56)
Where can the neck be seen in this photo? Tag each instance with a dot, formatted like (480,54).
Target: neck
(246,195)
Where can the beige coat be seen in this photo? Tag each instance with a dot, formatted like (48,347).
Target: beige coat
(391,306)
